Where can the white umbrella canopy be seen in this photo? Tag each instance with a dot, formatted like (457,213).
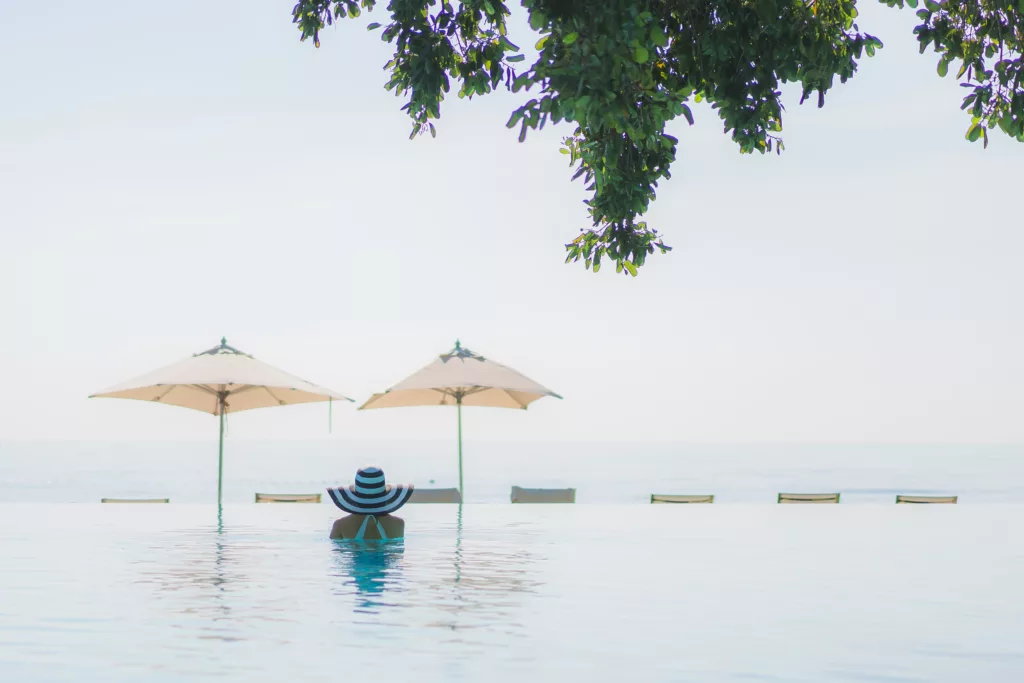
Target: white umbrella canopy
(202,381)
(218,381)
(461,377)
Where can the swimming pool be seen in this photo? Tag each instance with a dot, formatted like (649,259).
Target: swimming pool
(703,593)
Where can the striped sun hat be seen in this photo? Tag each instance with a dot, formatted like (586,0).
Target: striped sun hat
(370,495)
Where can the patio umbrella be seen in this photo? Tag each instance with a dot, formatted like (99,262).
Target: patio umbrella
(461,377)
(218,381)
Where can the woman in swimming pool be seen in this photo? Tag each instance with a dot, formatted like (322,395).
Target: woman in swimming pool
(371,504)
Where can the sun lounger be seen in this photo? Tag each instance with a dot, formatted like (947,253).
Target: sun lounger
(521,495)
(789,498)
(135,500)
(287,497)
(669,498)
(435,496)
(947,500)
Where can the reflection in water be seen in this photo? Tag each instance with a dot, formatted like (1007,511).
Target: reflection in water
(486,588)
(479,582)
(370,567)
(228,582)
(192,575)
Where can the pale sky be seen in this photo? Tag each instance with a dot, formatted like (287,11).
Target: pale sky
(172,173)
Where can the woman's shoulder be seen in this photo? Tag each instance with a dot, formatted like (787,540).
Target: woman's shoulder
(343,525)
(394,527)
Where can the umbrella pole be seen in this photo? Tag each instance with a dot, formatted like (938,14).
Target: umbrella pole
(458,403)
(220,455)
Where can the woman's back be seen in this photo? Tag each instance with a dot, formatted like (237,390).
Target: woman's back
(368,527)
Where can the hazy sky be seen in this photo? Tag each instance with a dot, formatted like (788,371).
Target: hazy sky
(171,173)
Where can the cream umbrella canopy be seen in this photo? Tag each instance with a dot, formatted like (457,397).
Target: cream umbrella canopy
(461,377)
(221,380)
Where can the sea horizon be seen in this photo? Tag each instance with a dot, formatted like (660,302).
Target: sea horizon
(64,471)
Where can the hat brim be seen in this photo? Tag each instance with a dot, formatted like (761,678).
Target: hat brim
(346,498)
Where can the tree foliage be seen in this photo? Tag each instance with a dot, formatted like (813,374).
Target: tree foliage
(620,70)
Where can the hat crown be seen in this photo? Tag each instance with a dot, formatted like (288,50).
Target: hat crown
(370,480)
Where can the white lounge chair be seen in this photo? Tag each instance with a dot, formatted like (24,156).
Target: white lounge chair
(135,500)
(435,496)
(942,500)
(789,498)
(521,495)
(670,498)
(287,497)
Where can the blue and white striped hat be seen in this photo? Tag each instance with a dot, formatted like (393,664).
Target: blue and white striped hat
(370,495)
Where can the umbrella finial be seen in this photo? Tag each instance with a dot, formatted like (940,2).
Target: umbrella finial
(223,348)
(457,345)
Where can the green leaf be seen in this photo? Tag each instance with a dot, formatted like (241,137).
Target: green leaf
(515,58)
(489,7)
(630,267)
(570,38)
(658,36)
(540,43)
(373,26)
(640,54)
(932,5)
(912,4)
(433,131)
(943,67)
(974,132)
(688,114)
(514,119)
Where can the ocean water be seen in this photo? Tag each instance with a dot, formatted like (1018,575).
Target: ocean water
(703,593)
(186,472)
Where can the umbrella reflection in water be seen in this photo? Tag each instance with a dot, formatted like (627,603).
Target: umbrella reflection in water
(479,583)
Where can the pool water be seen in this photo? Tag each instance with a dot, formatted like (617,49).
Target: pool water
(702,593)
